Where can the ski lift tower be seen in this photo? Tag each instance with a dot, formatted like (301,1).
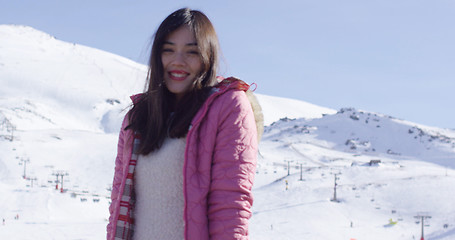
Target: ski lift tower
(334,199)
(24,162)
(289,166)
(31,179)
(422,218)
(56,174)
(61,174)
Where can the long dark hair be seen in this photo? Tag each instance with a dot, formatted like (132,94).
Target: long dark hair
(156,115)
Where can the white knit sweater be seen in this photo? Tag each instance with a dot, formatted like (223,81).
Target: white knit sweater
(158,211)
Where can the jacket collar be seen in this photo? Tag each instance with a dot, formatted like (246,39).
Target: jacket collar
(223,85)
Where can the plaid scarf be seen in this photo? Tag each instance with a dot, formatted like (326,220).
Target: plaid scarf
(125,223)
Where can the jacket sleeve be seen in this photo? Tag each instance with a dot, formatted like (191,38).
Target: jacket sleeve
(118,176)
(233,168)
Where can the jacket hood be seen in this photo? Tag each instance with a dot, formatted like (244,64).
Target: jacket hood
(258,115)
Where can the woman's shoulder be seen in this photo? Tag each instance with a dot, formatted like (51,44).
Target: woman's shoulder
(236,94)
(229,92)
(230,83)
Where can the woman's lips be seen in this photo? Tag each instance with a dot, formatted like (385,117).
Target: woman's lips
(177,75)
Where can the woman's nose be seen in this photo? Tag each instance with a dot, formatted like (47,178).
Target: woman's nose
(179,59)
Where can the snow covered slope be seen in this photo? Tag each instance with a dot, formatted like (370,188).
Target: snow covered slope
(275,108)
(61,106)
(388,172)
(56,81)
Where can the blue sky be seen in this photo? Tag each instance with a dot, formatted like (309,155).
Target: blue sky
(395,57)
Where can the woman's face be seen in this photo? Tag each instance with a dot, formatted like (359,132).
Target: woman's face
(181,61)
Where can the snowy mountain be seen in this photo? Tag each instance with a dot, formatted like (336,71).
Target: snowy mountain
(61,80)
(60,110)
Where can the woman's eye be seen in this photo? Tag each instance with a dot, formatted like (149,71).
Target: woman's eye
(167,50)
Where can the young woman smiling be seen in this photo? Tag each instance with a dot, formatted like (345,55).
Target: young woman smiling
(187,148)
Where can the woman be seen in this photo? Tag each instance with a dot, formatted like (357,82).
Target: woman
(187,148)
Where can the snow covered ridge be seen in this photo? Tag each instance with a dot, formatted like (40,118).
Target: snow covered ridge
(60,109)
(275,108)
(364,133)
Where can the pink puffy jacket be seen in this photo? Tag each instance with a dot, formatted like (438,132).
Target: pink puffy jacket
(220,162)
